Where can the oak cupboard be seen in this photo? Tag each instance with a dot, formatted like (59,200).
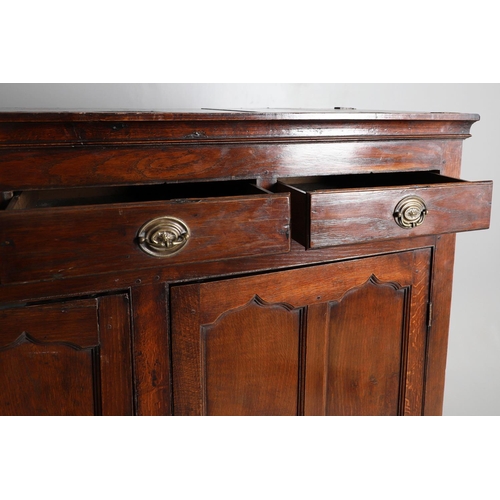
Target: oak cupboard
(217,262)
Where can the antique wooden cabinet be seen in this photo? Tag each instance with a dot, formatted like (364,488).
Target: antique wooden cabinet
(224,262)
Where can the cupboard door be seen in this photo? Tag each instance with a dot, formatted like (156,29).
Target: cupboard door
(239,359)
(68,358)
(346,338)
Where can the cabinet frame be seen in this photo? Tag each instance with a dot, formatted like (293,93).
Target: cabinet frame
(51,151)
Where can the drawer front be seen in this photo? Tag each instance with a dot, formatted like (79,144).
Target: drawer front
(50,243)
(323,218)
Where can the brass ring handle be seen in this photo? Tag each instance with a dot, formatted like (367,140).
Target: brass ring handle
(410,212)
(163,236)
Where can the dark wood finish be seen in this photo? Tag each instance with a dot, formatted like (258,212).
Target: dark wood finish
(55,129)
(298,256)
(242,321)
(366,349)
(47,366)
(444,256)
(114,165)
(115,356)
(342,210)
(239,345)
(246,362)
(66,359)
(152,349)
(67,236)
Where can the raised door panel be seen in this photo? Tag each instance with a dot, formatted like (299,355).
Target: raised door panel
(343,338)
(241,360)
(364,356)
(239,363)
(366,349)
(68,358)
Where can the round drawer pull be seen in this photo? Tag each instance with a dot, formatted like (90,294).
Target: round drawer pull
(163,236)
(410,212)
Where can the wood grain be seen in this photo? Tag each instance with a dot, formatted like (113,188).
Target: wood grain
(231,337)
(239,364)
(364,352)
(243,321)
(355,215)
(151,350)
(116,356)
(48,359)
(62,167)
(66,236)
(69,358)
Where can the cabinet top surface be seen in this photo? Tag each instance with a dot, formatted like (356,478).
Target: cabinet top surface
(341,114)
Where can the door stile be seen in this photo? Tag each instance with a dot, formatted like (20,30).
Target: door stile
(417,338)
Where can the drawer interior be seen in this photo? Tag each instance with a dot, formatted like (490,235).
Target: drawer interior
(130,194)
(366,181)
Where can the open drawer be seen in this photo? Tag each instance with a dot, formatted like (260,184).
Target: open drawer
(58,233)
(347,209)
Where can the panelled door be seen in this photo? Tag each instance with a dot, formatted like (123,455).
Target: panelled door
(67,358)
(346,338)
